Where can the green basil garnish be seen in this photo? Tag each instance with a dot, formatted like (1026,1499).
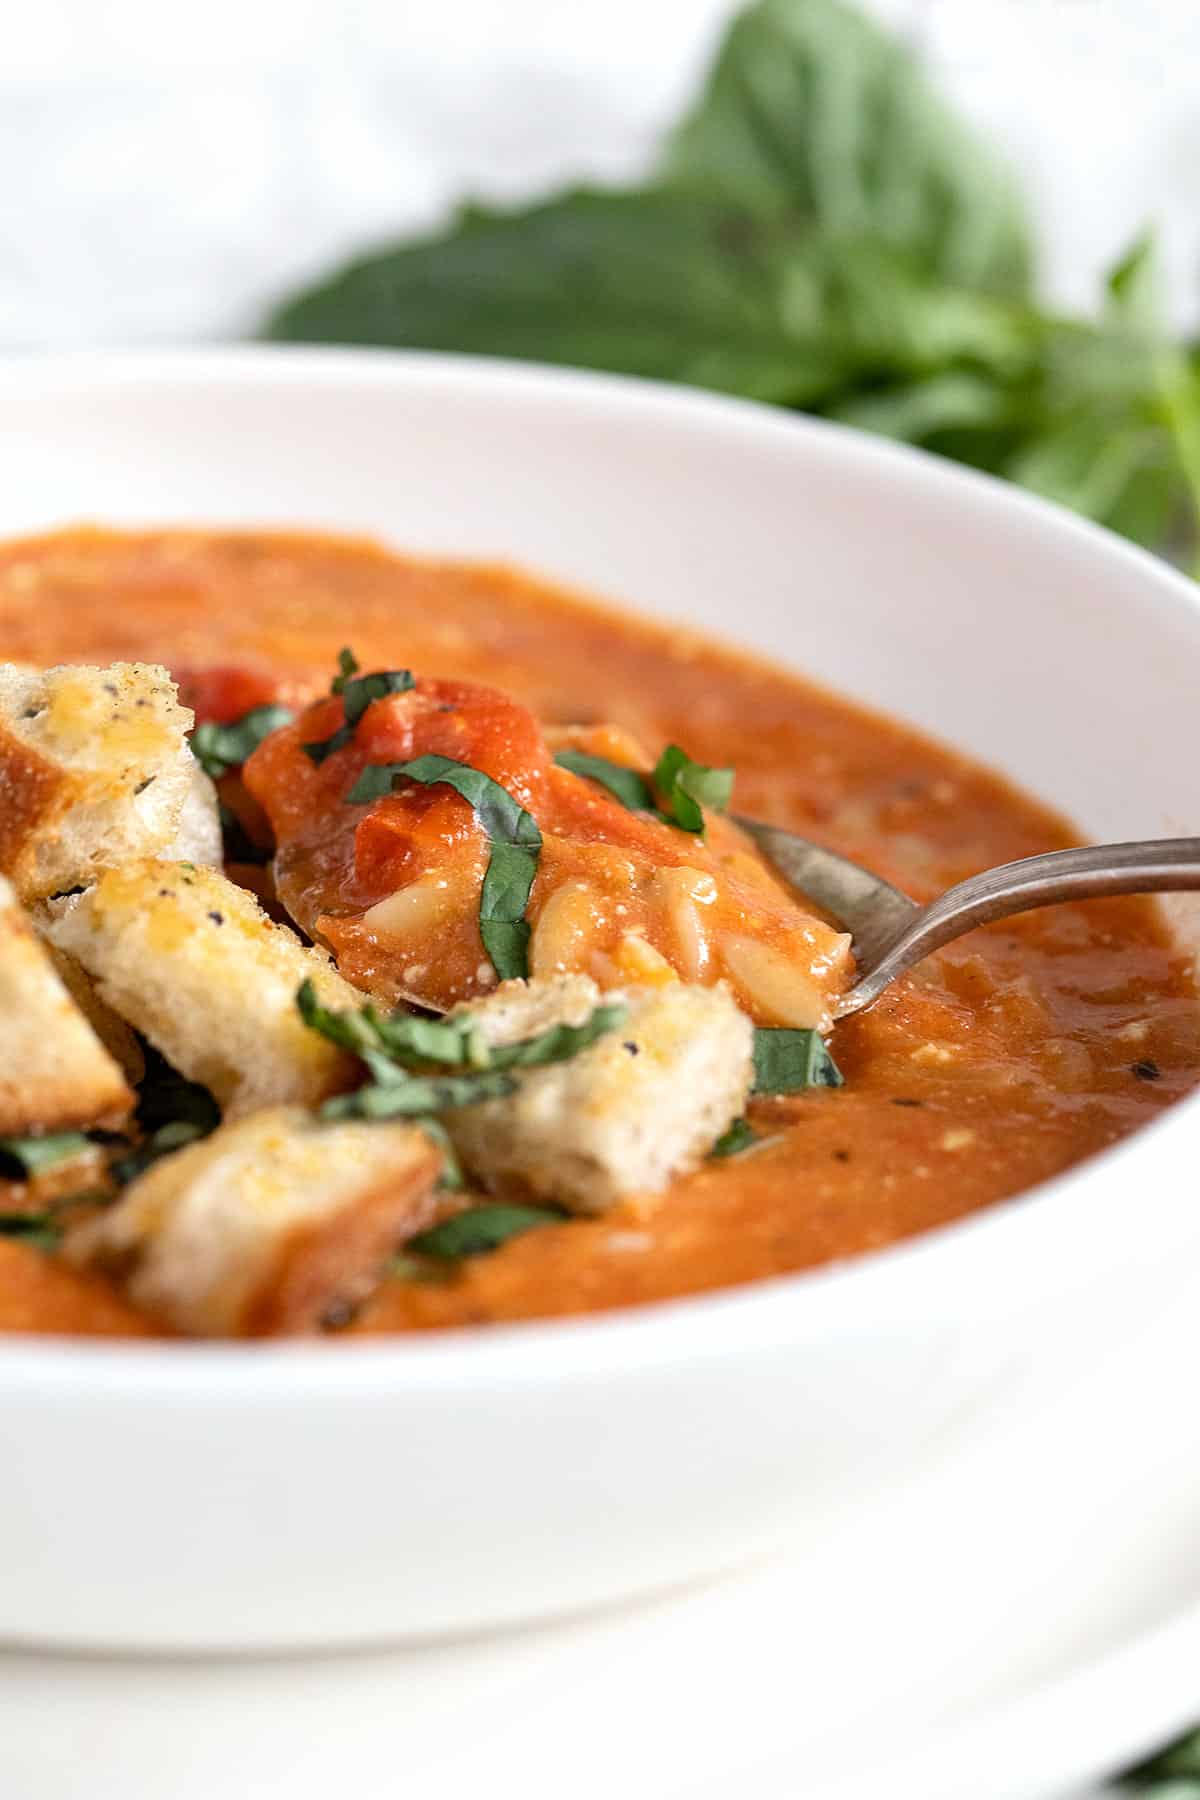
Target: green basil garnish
(160,1143)
(407,1040)
(684,787)
(739,1137)
(347,666)
(413,1096)
(39,1230)
(403,1037)
(219,748)
(22,1157)
(357,691)
(788,1061)
(43,1230)
(559,1043)
(481,1229)
(516,845)
(624,784)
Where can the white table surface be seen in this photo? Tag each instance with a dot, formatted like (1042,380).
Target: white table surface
(166,169)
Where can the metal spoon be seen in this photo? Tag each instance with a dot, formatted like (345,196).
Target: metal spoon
(890,933)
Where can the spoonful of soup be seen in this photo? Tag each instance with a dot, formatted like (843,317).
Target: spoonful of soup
(439,841)
(890,933)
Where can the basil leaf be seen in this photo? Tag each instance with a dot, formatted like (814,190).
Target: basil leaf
(813,109)
(682,287)
(160,1143)
(480,1230)
(516,846)
(788,1061)
(740,1136)
(625,784)
(347,666)
(412,1096)
(451,1177)
(43,1230)
(357,692)
(22,1157)
(38,1230)
(386,1044)
(684,787)
(1177,1768)
(219,748)
(502,901)
(360,692)
(560,1042)
(317,751)
(404,1037)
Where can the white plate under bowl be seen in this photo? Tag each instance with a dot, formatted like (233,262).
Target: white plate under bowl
(986,1637)
(192,1497)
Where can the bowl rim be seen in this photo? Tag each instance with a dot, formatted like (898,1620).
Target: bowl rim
(780,1311)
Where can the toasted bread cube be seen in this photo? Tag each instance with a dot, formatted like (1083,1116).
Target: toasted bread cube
(55,1073)
(198,834)
(192,962)
(641,1104)
(121,1043)
(95,769)
(257,1230)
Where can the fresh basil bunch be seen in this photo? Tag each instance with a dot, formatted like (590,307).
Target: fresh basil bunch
(820,232)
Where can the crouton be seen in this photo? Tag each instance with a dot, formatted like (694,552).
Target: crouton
(192,962)
(259,1229)
(55,1073)
(198,836)
(95,769)
(121,1043)
(641,1104)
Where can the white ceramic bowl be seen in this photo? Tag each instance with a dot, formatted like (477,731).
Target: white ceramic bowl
(220,1497)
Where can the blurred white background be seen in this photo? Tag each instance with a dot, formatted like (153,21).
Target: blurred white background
(166,170)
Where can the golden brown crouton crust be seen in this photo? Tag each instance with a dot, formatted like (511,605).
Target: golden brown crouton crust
(55,1074)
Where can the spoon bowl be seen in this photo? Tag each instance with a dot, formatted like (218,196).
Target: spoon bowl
(890,933)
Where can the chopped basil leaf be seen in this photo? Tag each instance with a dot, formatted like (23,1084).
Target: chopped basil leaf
(559,1043)
(787,1062)
(171,1112)
(236,845)
(387,1044)
(43,1230)
(458,1041)
(323,747)
(625,784)
(516,845)
(403,1037)
(160,1143)
(412,1096)
(502,902)
(357,693)
(740,1136)
(684,787)
(38,1230)
(21,1157)
(451,1176)
(481,1229)
(219,748)
(347,666)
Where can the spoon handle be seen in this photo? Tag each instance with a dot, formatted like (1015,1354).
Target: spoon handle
(1162,865)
